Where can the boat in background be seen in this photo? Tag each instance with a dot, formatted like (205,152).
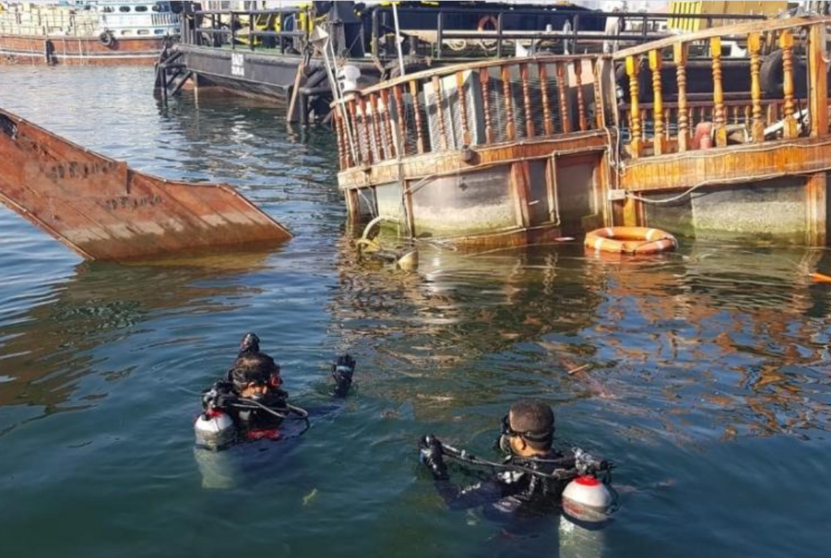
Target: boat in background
(87,33)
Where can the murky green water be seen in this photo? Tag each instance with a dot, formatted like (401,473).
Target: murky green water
(708,382)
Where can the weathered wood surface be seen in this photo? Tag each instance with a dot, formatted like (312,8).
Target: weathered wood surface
(736,164)
(435,164)
(104,210)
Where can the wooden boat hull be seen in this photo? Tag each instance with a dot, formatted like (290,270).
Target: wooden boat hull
(104,210)
(32,49)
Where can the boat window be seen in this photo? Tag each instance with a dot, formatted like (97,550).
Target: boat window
(143,32)
(108,9)
(124,8)
(140,8)
(161,7)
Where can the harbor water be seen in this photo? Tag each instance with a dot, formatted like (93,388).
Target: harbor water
(704,374)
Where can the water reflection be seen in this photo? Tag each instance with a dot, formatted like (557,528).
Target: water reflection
(101,304)
(727,340)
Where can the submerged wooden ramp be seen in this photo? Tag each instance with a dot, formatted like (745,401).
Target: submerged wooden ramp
(105,211)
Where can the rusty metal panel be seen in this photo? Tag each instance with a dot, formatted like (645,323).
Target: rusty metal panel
(104,210)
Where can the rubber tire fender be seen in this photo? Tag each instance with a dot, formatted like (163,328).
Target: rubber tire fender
(772,76)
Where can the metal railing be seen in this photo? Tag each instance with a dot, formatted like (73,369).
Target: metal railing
(232,28)
(575,29)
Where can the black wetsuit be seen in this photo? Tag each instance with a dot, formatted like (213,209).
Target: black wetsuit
(510,494)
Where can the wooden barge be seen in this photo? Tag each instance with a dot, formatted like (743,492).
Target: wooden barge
(516,151)
(112,33)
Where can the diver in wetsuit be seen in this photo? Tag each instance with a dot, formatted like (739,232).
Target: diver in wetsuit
(528,483)
(249,402)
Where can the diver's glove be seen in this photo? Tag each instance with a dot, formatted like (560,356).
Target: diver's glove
(430,453)
(342,370)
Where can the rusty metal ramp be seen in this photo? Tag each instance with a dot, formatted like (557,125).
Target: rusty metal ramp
(105,211)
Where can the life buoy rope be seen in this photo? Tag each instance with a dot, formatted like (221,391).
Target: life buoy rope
(630,240)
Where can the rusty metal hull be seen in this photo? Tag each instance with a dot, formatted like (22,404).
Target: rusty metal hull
(104,210)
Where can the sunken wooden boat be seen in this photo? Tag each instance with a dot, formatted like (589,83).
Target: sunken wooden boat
(517,151)
(103,210)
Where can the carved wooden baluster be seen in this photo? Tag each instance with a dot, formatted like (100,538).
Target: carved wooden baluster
(655,63)
(363,140)
(419,129)
(546,107)
(386,123)
(754,45)
(667,123)
(632,72)
(462,106)
(679,52)
(565,119)
(484,80)
(398,96)
(339,138)
(786,44)
(581,104)
(718,93)
(526,98)
(510,127)
(440,112)
(375,127)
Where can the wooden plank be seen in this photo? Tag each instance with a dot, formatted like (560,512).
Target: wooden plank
(736,164)
(451,161)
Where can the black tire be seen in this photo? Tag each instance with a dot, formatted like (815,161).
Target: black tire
(107,39)
(772,76)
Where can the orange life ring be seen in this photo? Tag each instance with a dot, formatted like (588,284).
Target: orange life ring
(485,20)
(630,240)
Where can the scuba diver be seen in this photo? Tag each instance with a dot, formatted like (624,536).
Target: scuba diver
(249,403)
(533,480)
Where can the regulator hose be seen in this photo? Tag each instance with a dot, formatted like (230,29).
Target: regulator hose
(567,467)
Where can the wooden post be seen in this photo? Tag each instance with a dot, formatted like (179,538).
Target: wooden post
(440,111)
(679,53)
(815,202)
(565,119)
(581,104)
(546,107)
(818,102)
(398,96)
(419,129)
(599,105)
(658,141)
(754,45)
(484,80)
(786,43)
(526,98)
(634,107)
(520,181)
(460,92)
(718,93)
(510,127)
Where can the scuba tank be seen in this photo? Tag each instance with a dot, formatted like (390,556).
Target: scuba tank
(214,429)
(587,499)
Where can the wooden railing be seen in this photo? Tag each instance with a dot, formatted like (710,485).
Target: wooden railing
(471,105)
(660,128)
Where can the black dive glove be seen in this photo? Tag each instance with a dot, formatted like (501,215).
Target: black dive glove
(430,454)
(342,370)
